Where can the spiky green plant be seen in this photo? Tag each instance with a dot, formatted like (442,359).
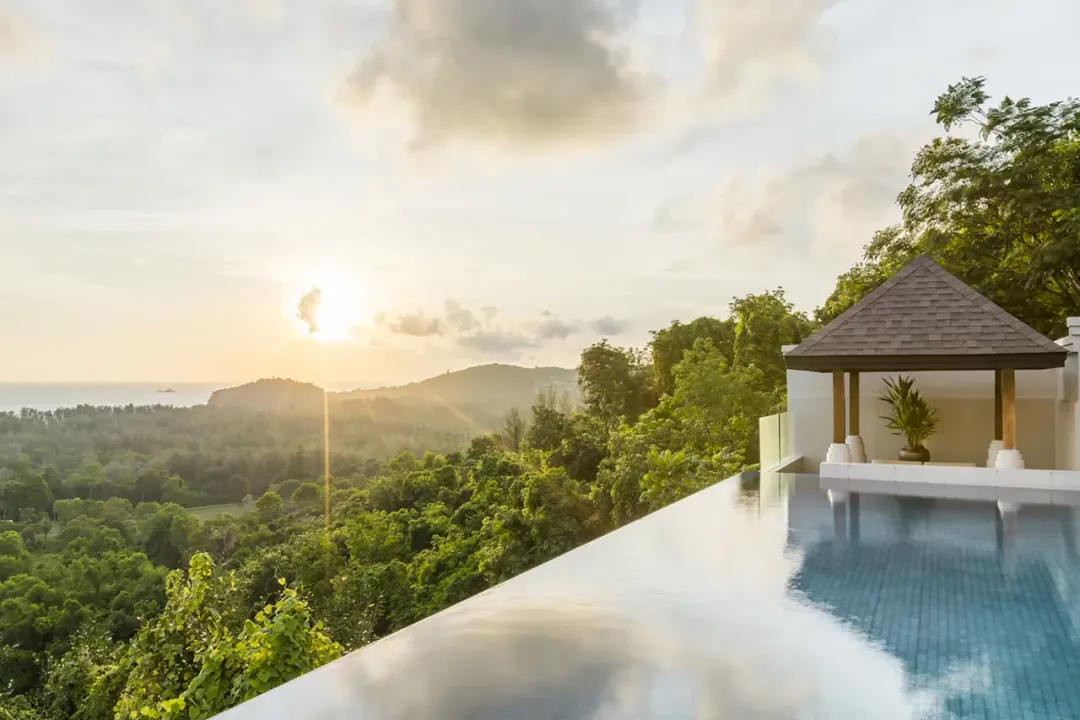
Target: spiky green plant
(910,415)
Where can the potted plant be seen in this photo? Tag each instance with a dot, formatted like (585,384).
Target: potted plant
(910,416)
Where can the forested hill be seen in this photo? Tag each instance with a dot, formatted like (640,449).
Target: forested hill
(505,386)
(481,393)
(272,395)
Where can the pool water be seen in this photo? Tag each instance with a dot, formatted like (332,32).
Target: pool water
(761,597)
(981,607)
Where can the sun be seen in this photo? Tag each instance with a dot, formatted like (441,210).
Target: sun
(330,307)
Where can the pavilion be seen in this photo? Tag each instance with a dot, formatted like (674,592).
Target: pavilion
(924,319)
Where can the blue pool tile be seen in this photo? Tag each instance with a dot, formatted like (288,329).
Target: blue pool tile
(950,610)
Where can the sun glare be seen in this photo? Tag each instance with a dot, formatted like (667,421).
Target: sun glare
(330,307)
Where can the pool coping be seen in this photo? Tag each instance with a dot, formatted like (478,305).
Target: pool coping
(1023,486)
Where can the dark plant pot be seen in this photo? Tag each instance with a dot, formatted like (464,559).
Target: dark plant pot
(915,454)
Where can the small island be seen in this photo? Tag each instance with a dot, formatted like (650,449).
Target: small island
(167,390)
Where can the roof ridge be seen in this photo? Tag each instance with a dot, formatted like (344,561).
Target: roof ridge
(966,291)
(861,305)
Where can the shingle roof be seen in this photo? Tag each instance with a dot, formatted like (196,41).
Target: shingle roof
(924,318)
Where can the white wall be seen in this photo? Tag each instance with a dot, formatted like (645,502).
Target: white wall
(1068,429)
(965,404)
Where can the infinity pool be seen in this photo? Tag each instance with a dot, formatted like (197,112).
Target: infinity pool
(757,598)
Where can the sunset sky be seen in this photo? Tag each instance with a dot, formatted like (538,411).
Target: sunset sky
(472,181)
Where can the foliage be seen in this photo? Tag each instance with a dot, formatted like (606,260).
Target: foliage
(513,430)
(615,382)
(910,415)
(14,559)
(269,506)
(763,325)
(1001,211)
(669,345)
(85,682)
(702,433)
(203,455)
(307,497)
(193,661)
(16,708)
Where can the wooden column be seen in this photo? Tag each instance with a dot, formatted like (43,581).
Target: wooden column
(997,405)
(1008,409)
(853,403)
(838,432)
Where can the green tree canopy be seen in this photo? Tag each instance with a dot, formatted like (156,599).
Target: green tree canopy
(269,506)
(615,382)
(197,658)
(1000,211)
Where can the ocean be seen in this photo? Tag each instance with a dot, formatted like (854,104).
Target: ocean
(50,396)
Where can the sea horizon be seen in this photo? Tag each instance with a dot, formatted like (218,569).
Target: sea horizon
(14,396)
(53,396)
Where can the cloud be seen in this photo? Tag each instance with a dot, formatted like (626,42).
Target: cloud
(552,328)
(484,337)
(461,318)
(506,71)
(496,342)
(17,36)
(609,326)
(463,327)
(837,200)
(752,47)
(307,309)
(859,191)
(417,325)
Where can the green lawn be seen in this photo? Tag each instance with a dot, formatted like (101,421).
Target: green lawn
(212,512)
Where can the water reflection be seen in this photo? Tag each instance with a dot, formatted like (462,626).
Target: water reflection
(839,502)
(749,600)
(854,503)
(981,603)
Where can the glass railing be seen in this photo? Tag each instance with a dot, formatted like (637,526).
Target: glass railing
(774,440)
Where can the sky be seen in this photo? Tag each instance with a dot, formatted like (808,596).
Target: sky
(463,181)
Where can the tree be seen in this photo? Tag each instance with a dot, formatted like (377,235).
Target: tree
(513,430)
(149,484)
(28,492)
(1001,212)
(668,346)
(763,325)
(17,708)
(702,433)
(196,659)
(171,535)
(288,488)
(85,683)
(718,408)
(175,491)
(306,497)
(269,507)
(236,487)
(14,558)
(583,448)
(552,399)
(548,429)
(673,475)
(615,382)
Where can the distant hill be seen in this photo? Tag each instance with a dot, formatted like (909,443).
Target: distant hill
(472,399)
(504,386)
(273,395)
